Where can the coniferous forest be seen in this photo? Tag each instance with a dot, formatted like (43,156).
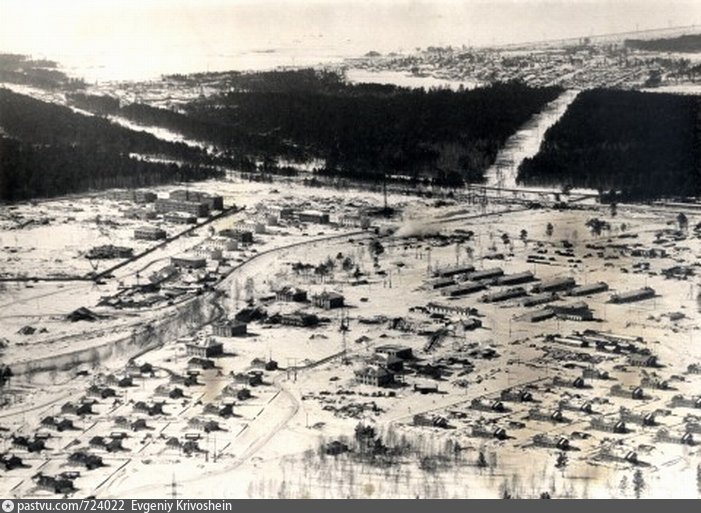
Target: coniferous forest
(362,130)
(358,130)
(48,150)
(370,129)
(686,43)
(645,145)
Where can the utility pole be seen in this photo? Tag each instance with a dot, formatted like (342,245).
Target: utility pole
(173,488)
(384,190)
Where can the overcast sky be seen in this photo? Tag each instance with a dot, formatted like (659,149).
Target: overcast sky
(135,35)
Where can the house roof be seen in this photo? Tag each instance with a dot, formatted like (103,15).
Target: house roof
(206,343)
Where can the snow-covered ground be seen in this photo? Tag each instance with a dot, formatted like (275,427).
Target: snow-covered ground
(264,450)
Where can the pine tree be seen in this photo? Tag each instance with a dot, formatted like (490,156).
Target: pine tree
(638,483)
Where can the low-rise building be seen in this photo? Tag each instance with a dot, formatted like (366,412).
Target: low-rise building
(515,279)
(539,299)
(481,431)
(504,295)
(441,283)
(314,216)
(180,218)
(355,221)
(109,251)
(642,360)
(229,329)
(453,270)
(633,295)
(299,319)
(373,375)
(548,416)
(137,196)
(403,352)
(520,396)
(280,212)
(685,402)
(213,202)
(551,442)
(488,405)
(291,294)
(463,289)
(641,418)
(205,348)
(664,435)
(195,208)
(538,316)
(630,393)
(578,311)
(586,290)
(460,311)
(555,285)
(149,233)
(237,234)
(328,300)
(486,274)
(188,261)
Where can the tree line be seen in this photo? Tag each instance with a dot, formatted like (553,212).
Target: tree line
(686,43)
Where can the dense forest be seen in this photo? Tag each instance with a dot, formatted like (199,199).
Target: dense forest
(49,150)
(19,69)
(688,43)
(35,121)
(645,145)
(361,129)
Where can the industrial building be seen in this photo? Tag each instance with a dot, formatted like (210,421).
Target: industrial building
(486,274)
(504,295)
(213,202)
(463,289)
(515,279)
(555,285)
(195,208)
(592,288)
(633,295)
(539,299)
